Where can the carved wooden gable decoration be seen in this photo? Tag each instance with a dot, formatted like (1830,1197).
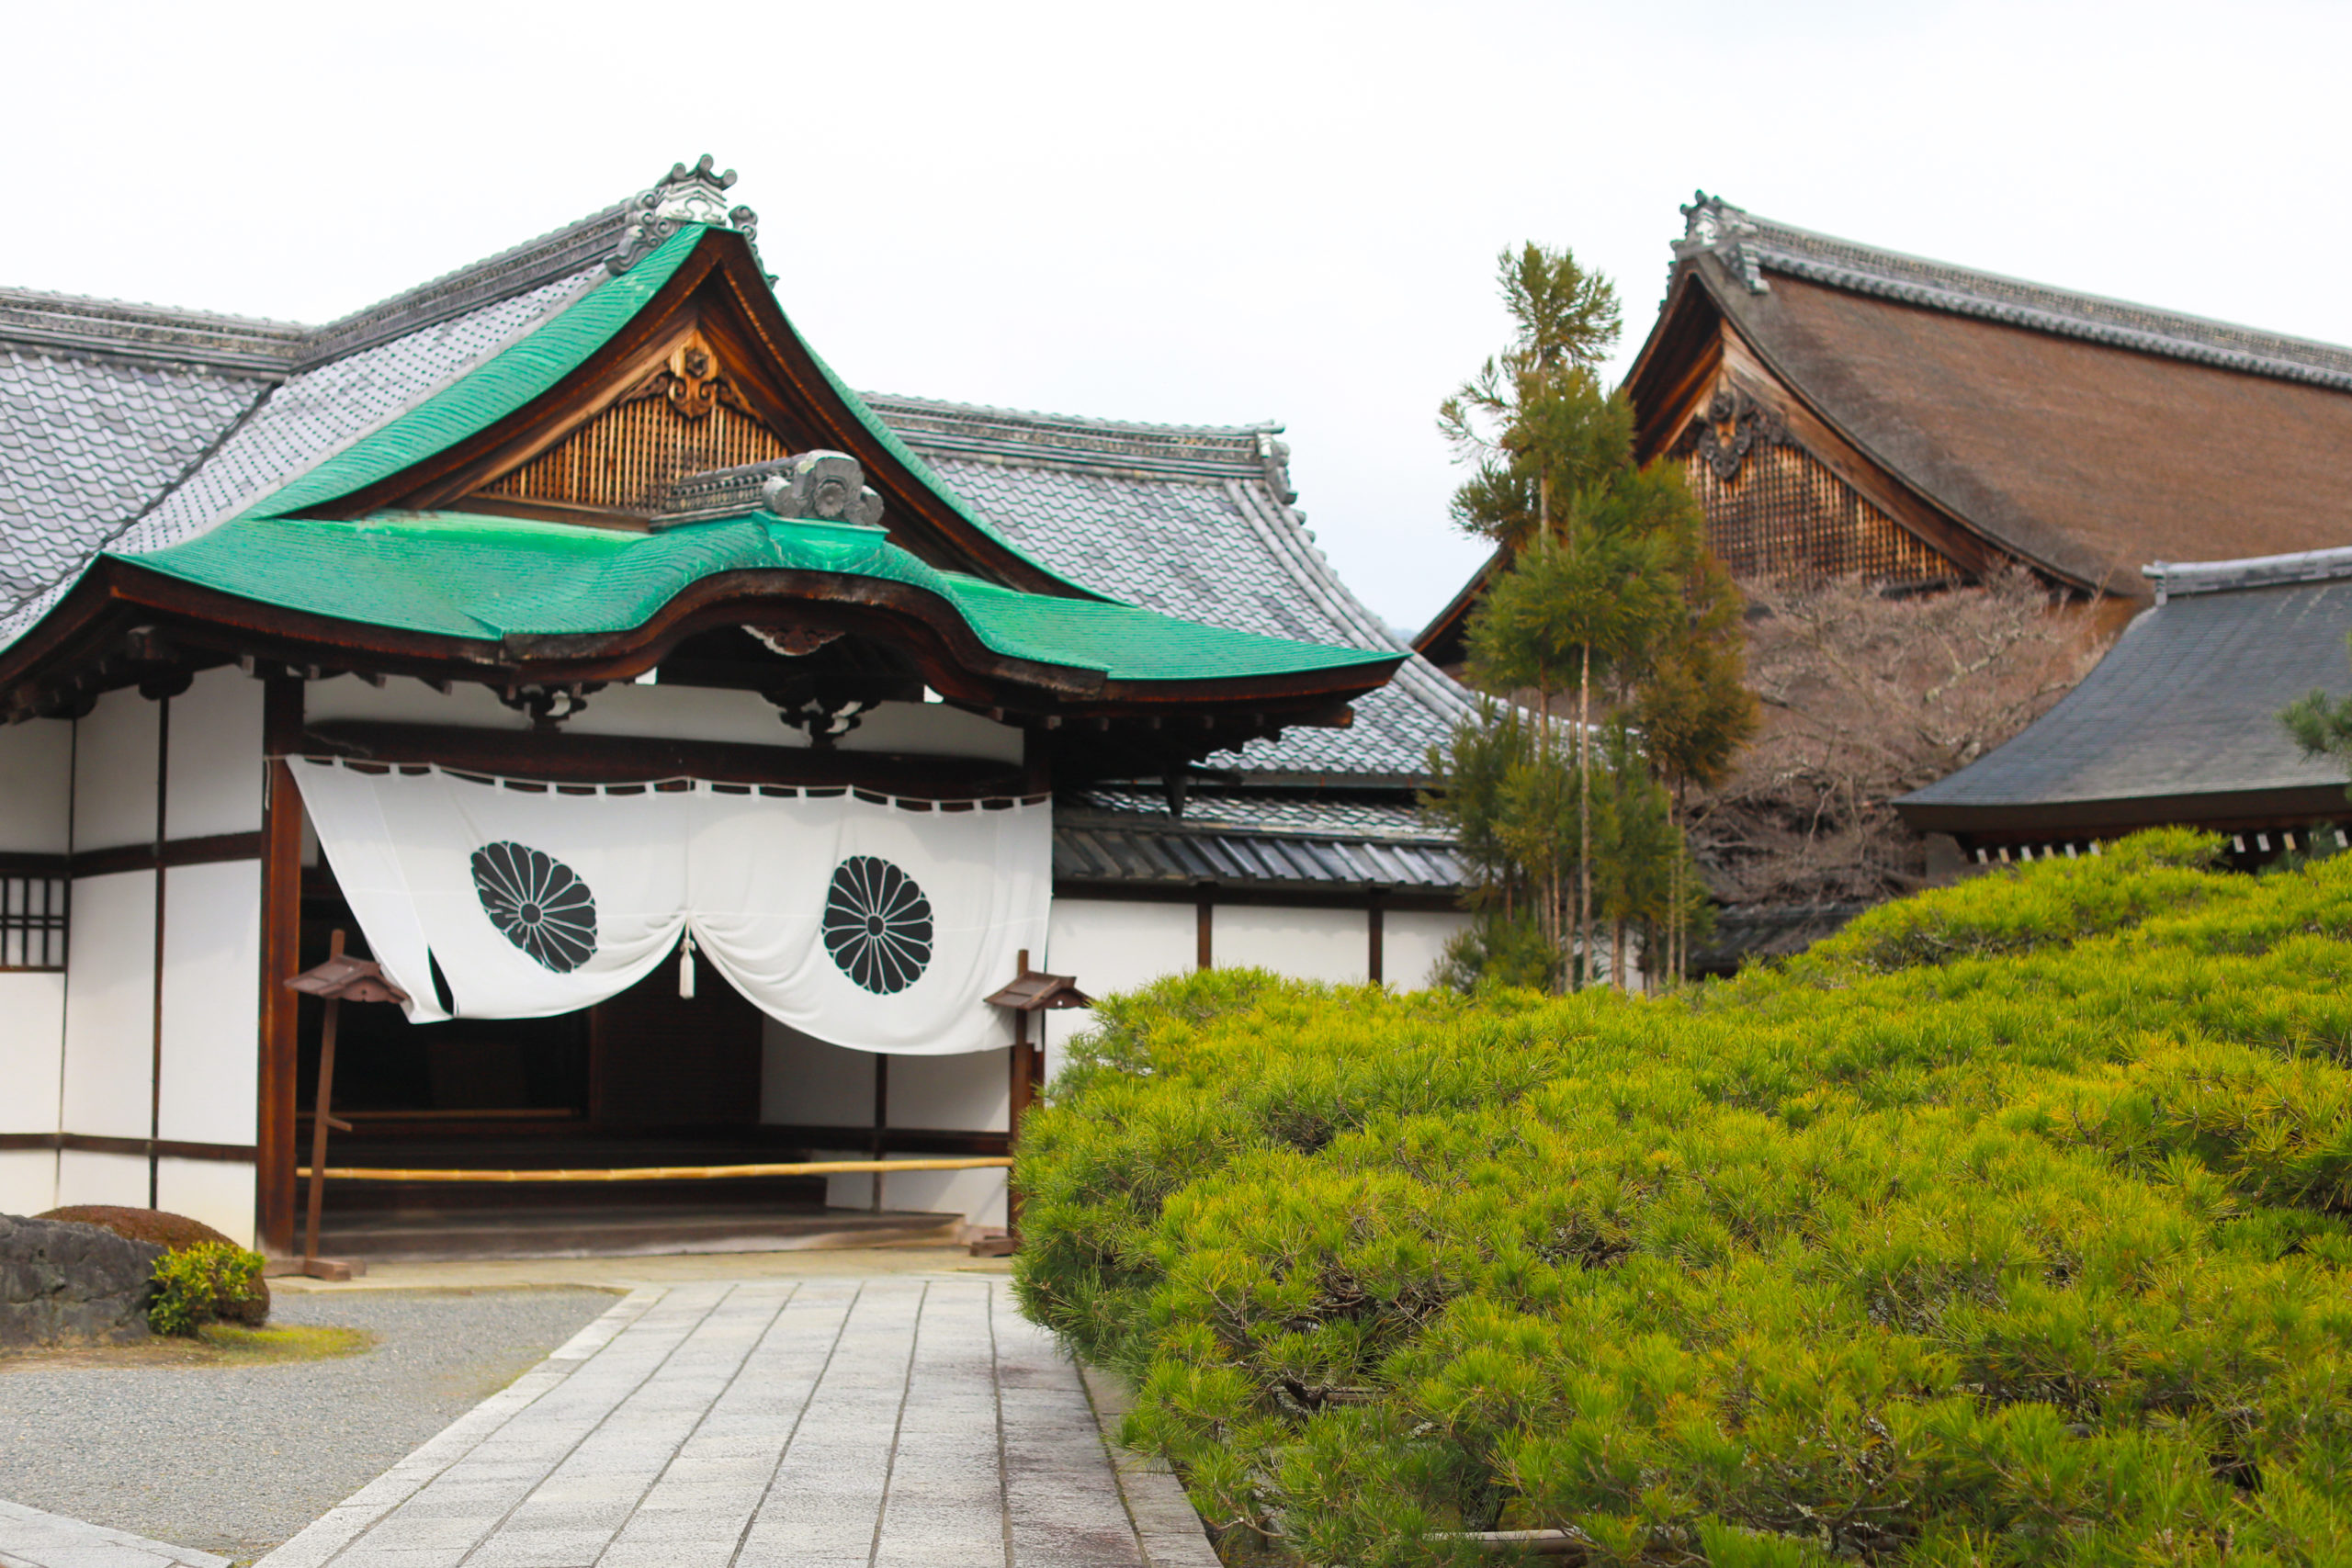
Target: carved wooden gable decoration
(685,418)
(707,374)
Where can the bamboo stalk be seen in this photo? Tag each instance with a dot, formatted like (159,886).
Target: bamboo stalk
(666,1172)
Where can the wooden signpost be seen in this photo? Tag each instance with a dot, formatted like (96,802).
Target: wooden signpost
(1032,990)
(337,981)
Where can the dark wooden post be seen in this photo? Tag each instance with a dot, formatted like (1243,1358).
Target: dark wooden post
(1204,931)
(281,934)
(881,1122)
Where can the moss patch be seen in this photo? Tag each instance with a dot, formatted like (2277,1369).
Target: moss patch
(215,1345)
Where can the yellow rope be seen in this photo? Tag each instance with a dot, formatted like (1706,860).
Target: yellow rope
(662,1172)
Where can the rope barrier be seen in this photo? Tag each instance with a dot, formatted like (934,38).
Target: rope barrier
(663,1172)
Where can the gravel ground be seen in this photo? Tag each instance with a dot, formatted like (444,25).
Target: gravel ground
(236,1459)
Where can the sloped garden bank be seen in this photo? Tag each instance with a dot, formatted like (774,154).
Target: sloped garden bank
(2010,1227)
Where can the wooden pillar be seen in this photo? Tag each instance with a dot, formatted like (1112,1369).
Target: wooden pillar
(281,956)
(155,1058)
(881,1123)
(1375,936)
(1205,929)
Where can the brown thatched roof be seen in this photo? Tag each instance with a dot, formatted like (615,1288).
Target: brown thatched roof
(2081,435)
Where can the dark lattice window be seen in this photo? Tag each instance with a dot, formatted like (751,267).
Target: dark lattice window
(32,922)
(1783,514)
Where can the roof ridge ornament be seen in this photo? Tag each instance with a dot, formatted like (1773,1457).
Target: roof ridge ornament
(684,195)
(826,487)
(1711,223)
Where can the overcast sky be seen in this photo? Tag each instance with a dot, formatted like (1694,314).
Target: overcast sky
(1204,213)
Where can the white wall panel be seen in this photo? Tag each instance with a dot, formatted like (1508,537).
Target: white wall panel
(970,1093)
(120,1179)
(1412,942)
(218,1192)
(110,1008)
(114,774)
(36,784)
(1111,945)
(977,1195)
(807,1082)
(1310,944)
(213,785)
(27,1181)
(211,1005)
(32,1033)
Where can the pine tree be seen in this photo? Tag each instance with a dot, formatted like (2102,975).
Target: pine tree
(1609,593)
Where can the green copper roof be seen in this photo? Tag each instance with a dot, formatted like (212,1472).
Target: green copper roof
(491,391)
(463,575)
(530,366)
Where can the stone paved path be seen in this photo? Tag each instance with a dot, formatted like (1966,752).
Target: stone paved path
(31,1539)
(813,1423)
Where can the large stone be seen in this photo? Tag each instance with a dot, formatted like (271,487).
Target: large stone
(72,1284)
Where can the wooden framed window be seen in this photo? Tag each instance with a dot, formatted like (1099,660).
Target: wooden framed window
(33,921)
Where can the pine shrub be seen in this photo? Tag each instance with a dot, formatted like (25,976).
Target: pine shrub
(2009,1226)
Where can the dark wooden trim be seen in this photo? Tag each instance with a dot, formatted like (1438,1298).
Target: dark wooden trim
(281,932)
(1376,941)
(155,1063)
(1204,929)
(211,848)
(2228,812)
(1302,896)
(20,864)
(563,759)
(150,1149)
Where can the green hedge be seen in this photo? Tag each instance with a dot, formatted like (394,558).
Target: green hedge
(2007,1227)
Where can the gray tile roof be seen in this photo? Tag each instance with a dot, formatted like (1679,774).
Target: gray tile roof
(105,454)
(1195,522)
(2182,709)
(1110,838)
(1749,247)
(88,445)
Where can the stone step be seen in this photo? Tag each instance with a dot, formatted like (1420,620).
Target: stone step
(623,1231)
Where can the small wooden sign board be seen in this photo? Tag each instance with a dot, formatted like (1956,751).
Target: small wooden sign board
(337,981)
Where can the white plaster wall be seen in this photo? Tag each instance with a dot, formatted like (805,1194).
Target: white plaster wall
(669,713)
(113,776)
(27,1181)
(806,1080)
(32,1022)
(214,782)
(110,1008)
(211,983)
(1412,941)
(1111,945)
(1312,944)
(120,1179)
(218,1192)
(36,785)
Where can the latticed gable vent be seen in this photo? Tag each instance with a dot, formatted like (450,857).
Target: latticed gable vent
(1775,510)
(32,922)
(684,418)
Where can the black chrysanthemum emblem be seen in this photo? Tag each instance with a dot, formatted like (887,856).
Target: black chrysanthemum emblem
(537,903)
(878,924)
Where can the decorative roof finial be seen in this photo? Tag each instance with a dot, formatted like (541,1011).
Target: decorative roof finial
(696,195)
(1711,223)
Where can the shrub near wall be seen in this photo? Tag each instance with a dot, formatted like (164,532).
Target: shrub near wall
(2010,1227)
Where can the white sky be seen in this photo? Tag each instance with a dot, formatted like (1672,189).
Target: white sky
(1206,213)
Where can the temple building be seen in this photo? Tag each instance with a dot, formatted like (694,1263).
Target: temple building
(1842,410)
(698,744)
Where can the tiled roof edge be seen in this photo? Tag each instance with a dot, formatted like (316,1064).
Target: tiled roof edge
(152,334)
(2174,578)
(251,345)
(971,430)
(558,253)
(1747,247)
